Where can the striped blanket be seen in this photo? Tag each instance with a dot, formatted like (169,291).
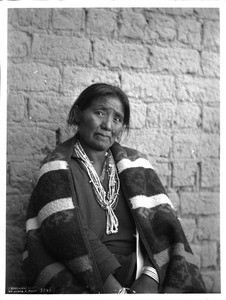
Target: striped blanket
(58,256)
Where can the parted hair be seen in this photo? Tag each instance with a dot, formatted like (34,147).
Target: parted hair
(93,93)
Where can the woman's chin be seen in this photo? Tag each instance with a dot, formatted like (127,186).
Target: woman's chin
(98,143)
(102,146)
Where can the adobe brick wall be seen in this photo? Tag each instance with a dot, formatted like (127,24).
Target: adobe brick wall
(166,60)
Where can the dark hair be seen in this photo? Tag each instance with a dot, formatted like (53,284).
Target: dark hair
(98,91)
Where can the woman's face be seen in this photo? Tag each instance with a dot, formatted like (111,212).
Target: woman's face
(101,123)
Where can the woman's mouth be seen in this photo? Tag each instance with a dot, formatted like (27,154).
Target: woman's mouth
(104,136)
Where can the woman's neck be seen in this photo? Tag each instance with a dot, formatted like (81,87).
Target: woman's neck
(96,157)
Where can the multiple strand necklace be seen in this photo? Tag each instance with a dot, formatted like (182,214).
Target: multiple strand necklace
(107,201)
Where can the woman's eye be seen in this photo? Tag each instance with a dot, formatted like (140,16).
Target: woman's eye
(100,113)
(118,119)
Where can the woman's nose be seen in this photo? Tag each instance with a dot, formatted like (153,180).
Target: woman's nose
(107,124)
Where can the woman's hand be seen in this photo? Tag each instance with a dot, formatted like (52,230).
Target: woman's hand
(145,285)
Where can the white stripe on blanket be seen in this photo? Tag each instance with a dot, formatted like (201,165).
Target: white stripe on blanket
(52,166)
(32,224)
(48,273)
(48,210)
(163,257)
(149,202)
(126,163)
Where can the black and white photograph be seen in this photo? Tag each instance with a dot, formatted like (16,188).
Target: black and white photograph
(112,147)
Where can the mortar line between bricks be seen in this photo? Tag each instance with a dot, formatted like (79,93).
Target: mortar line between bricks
(27,107)
(199,175)
(86,21)
(172,174)
(92,53)
(58,136)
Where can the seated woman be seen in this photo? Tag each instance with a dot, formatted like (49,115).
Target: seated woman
(99,219)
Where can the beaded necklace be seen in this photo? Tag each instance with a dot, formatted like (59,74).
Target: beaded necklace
(107,201)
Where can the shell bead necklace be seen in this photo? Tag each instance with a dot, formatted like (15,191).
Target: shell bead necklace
(107,201)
